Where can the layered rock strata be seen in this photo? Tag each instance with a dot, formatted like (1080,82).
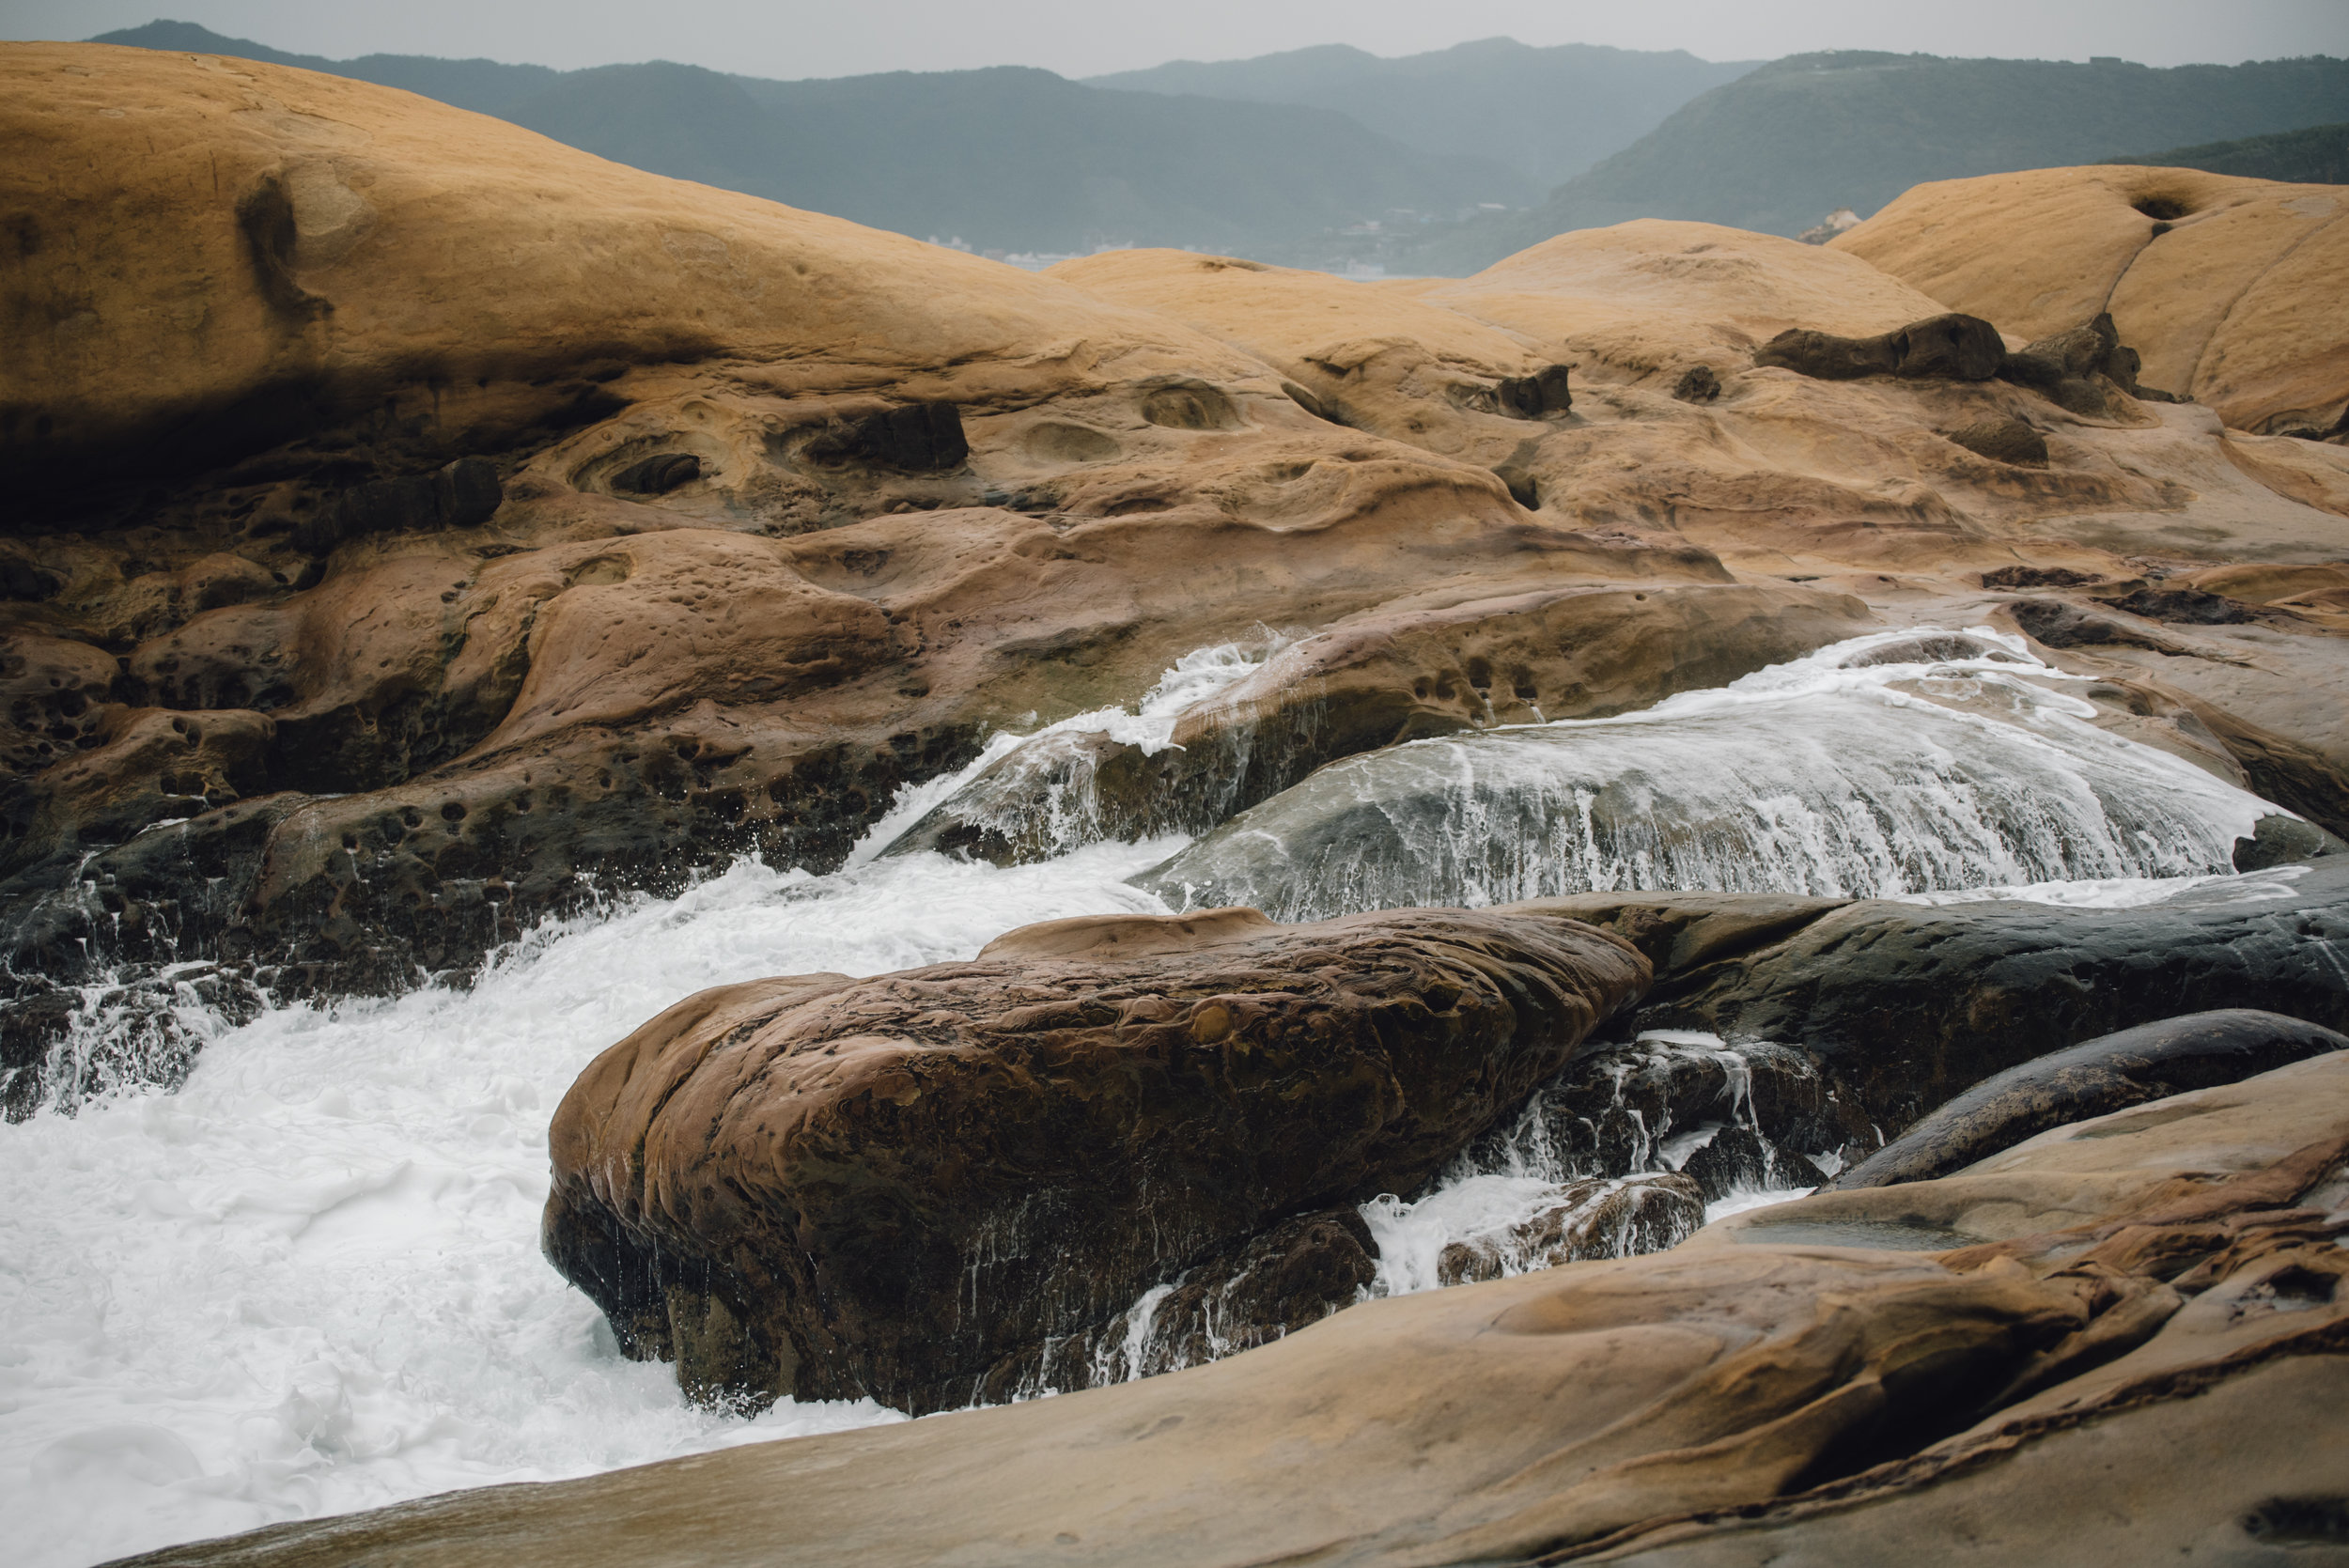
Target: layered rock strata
(910,1188)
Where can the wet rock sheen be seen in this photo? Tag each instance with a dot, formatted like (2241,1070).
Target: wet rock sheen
(911,1187)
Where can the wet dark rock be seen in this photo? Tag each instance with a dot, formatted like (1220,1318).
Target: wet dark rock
(2055,624)
(1699,383)
(2281,840)
(1600,1218)
(894,1186)
(2003,439)
(2037,577)
(463,494)
(1906,1005)
(1956,346)
(2200,1050)
(2187,606)
(1538,396)
(658,475)
(1730,1117)
(914,437)
(1294,1274)
(21,580)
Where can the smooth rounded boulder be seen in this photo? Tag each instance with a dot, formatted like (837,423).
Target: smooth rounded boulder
(912,1187)
(2155,1061)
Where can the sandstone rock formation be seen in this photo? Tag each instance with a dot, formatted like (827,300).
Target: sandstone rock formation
(2219,282)
(912,1186)
(783,514)
(792,513)
(2136,1319)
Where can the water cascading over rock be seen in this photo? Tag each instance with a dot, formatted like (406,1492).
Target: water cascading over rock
(1837,775)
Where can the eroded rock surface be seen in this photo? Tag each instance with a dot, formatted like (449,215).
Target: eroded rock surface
(907,1187)
(2212,278)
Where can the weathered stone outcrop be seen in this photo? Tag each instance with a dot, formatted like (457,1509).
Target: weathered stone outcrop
(1908,1005)
(1949,347)
(2137,1319)
(2219,282)
(909,1187)
(366,599)
(2200,1051)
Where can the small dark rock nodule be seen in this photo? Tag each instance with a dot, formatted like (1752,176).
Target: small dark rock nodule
(1955,348)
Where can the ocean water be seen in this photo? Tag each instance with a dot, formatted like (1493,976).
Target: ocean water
(308,1280)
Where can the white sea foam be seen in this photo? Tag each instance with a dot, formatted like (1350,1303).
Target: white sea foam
(309,1282)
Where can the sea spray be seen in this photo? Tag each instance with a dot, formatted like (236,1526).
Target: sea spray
(1890,764)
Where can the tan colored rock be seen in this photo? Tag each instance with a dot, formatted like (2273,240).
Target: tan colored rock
(1652,297)
(1791,1377)
(2226,286)
(267,244)
(1370,357)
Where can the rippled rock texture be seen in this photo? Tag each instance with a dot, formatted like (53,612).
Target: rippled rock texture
(910,1186)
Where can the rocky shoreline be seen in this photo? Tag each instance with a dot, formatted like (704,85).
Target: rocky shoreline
(1676,718)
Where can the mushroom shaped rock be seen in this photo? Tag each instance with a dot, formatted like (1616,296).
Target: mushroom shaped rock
(912,1187)
(2228,288)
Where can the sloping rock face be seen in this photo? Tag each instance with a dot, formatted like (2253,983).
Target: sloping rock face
(2136,1320)
(2219,282)
(1379,679)
(909,1187)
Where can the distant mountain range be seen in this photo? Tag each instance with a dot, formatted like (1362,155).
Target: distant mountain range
(2317,156)
(1549,114)
(1006,159)
(1326,156)
(1790,141)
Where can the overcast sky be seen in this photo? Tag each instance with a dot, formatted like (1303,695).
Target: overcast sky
(1078,37)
